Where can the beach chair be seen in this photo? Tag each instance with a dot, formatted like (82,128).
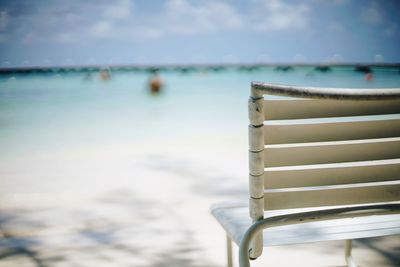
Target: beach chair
(324,165)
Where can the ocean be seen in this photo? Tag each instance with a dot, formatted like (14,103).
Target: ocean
(46,110)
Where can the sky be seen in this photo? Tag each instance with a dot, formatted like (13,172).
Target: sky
(74,32)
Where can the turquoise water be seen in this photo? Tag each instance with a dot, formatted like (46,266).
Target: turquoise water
(46,111)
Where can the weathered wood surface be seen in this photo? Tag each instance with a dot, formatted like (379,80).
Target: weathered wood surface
(325,93)
(303,108)
(301,131)
(354,194)
(331,152)
(332,174)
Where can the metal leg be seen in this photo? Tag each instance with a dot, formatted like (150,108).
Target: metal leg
(229,251)
(244,253)
(347,253)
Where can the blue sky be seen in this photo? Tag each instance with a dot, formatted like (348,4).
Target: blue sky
(73,32)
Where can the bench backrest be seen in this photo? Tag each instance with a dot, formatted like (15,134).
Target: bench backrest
(325,147)
(338,148)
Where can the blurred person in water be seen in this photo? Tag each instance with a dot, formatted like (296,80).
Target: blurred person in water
(155,83)
(105,75)
(369,76)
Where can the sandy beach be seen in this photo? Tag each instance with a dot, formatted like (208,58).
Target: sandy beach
(140,205)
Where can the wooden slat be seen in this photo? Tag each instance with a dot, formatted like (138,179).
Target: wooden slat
(332,174)
(331,196)
(299,131)
(331,152)
(281,109)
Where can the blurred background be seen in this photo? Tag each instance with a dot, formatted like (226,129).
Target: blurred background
(50,32)
(121,122)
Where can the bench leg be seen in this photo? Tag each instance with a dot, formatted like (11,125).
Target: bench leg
(229,251)
(244,253)
(347,253)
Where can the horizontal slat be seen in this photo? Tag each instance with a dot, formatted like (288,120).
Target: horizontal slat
(331,196)
(282,109)
(332,174)
(300,131)
(259,88)
(331,152)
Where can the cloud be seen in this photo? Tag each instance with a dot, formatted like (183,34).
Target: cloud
(277,15)
(118,10)
(102,20)
(183,17)
(79,22)
(103,29)
(372,14)
(176,17)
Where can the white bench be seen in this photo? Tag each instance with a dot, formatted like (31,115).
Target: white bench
(324,165)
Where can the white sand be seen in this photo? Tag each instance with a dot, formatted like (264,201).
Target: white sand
(139,204)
